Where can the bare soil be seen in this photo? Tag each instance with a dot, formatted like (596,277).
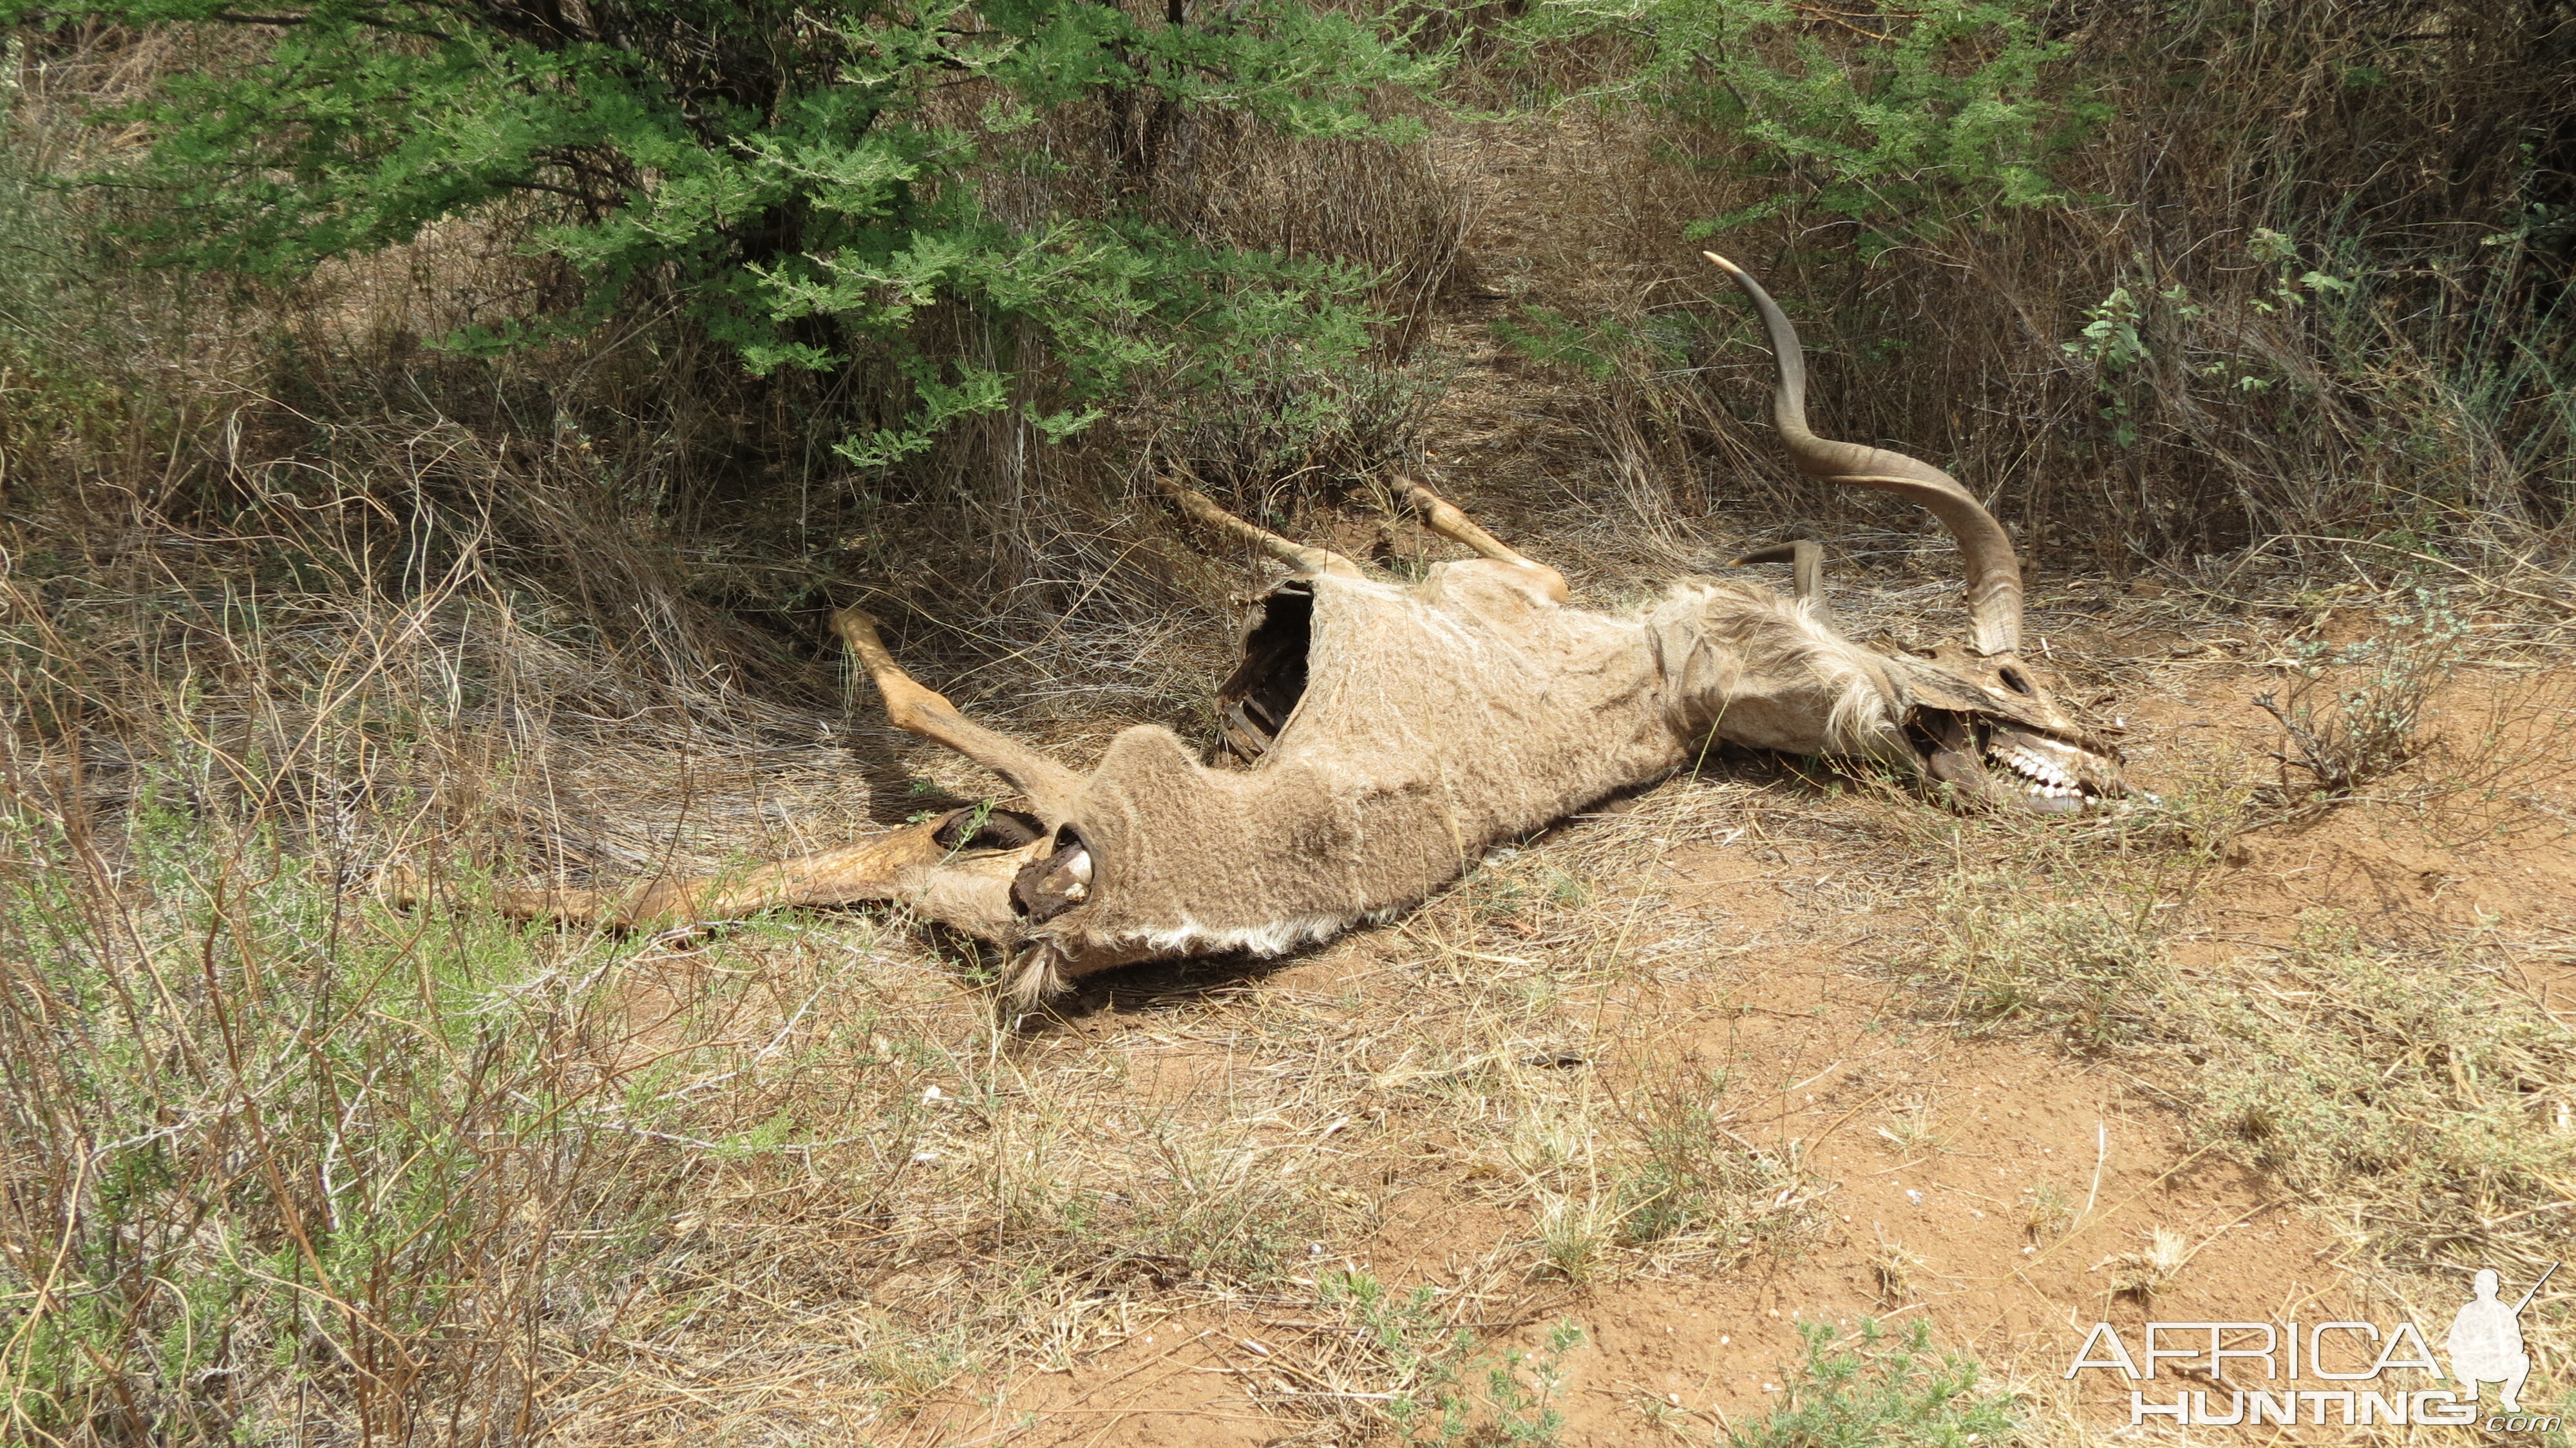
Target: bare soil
(1786,943)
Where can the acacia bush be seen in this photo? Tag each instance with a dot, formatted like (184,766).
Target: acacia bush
(808,307)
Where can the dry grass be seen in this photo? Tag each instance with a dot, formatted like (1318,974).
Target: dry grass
(2411,1085)
(282,1164)
(798,1161)
(2014,950)
(2405,1085)
(1901,1271)
(785,1161)
(794,1181)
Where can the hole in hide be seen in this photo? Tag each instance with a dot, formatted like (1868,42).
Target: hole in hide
(1254,702)
(1046,888)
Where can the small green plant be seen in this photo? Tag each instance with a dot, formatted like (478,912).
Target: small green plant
(1883,1393)
(2355,714)
(1913,1129)
(1410,1370)
(2293,286)
(2009,951)
(2047,1214)
(2111,345)
(1686,1178)
(1397,1348)
(1525,1416)
(1572,1231)
(2110,340)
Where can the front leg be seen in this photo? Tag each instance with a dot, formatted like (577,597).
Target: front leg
(1442,517)
(1199,508)
(956,869)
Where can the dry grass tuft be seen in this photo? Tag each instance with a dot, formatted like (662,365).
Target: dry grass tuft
(1900,1270)
(2144,1273)
(2412,1084)
(2047,1214)
(2011,949)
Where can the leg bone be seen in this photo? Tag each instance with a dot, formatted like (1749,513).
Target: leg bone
(1442,517)
(1202,510)
(926,865)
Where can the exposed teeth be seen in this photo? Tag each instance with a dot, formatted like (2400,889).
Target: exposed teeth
(1079,867)
(2040,778)
(2023,763)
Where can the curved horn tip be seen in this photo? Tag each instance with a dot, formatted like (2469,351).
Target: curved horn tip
(1723,263)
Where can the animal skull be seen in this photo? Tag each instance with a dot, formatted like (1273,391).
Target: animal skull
(1378,738)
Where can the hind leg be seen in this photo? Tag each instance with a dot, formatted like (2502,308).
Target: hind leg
(915,708)
(1442,517)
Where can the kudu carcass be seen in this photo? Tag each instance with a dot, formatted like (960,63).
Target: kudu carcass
(1378,738)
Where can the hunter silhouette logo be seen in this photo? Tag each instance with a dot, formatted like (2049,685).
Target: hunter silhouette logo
(2255,1370)
(2486,1339)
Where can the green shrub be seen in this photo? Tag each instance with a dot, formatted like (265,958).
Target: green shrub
(2341,733)
(942,210)
(1924,115)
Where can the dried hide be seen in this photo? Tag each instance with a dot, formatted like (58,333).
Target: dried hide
(1434,722)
